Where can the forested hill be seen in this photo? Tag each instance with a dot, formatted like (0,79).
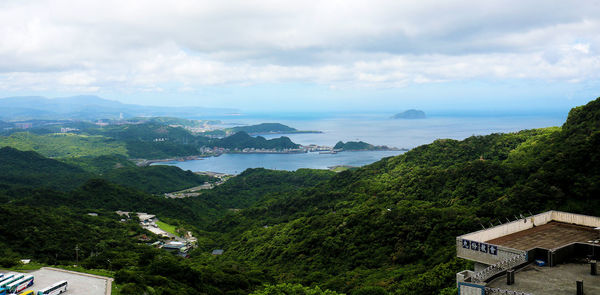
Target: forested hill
(358,146)
(264,128)
(393,224)
(386,228)
(30,170)
(142,140)
(242,140)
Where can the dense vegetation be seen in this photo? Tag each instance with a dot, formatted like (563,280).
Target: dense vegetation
(386,228)
(174,121)
(264,128)
(101,164)
(156,179)
(26,170)
(357,146)
(155,138)
(392,224)
(64,145)
(242,140)
(30,169)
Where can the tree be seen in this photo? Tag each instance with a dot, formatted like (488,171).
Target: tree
(293,289)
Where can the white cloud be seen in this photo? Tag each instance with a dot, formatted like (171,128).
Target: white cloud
(143,45)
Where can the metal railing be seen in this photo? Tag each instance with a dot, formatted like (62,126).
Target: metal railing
(494,269)
(498,291)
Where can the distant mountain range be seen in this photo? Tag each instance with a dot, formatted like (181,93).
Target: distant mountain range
(91,108)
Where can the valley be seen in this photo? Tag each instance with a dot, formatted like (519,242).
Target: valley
(387,227)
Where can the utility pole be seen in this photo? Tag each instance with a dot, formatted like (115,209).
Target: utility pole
(77,253)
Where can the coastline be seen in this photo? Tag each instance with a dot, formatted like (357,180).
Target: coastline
(285,132)
(145,162)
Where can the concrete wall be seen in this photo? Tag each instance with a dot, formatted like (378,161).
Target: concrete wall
(504,253)
(513,227)
(470,289)
(509,228)
(578,219)
(527,223)
(464,276)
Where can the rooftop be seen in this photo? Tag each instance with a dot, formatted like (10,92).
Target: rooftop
(557,280)
(145,216)
(560,240)
(551,235)
(531,222)
(174,245)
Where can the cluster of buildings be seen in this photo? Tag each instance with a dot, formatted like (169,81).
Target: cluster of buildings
(68,130)
(550,253)
(179,245)
(317,148)
(219,150)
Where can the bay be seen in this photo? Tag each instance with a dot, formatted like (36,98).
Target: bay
(237,163)
(375,129)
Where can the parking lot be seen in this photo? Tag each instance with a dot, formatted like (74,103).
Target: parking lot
(79,283)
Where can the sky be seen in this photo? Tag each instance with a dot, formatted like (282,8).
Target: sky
(529,56)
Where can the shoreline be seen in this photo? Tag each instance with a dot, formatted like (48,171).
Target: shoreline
(285,132)
(144,162)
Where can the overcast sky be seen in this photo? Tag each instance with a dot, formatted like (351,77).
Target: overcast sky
(305,55)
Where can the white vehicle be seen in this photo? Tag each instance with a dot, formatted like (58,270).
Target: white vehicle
(54,289)
(9,279)
(20,285)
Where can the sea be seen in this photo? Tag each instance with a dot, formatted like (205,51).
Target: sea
(375,128)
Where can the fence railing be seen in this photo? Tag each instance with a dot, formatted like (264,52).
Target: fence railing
(497,291)
(494,269)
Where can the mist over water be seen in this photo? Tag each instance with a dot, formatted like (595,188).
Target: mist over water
(376,129)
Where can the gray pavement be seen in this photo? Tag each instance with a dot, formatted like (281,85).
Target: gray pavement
(79,283)
(556,280)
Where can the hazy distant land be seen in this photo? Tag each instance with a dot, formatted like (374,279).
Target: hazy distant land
(410,114)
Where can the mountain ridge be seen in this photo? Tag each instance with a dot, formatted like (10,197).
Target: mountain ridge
(90,107)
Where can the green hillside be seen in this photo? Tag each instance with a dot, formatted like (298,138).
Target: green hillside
(149,140)
(242,140)
(101,164)
(386,228)
(156,179)
(393,223)
(64,145)
(30,169)
(264,128)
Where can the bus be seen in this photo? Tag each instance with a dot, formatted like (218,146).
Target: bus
(6,277)
(54,289)
(7,280)
(20,285)
(11,278)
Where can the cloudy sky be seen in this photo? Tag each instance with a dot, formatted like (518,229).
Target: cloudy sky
(305,55)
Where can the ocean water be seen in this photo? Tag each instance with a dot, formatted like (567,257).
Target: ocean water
(379,130)
(237,163)
(375,129)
